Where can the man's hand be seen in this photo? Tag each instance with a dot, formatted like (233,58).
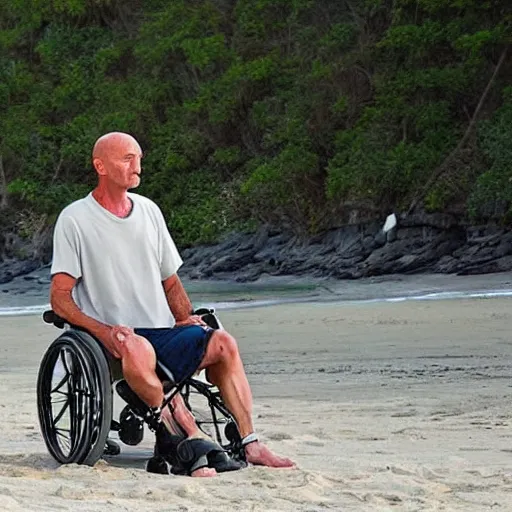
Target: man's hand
(114,340)
(191,320)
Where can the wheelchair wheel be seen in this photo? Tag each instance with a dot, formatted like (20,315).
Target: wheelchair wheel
(74,398)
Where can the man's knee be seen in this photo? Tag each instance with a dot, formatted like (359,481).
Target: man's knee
(138,350)
(225,345)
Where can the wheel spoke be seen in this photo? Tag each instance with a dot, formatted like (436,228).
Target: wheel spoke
(61,413)
(63,381)
(63,440)
(60,400)
(61,405)
(61,358)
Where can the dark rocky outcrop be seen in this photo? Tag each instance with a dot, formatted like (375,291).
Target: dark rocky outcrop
(14,268)
(419,243)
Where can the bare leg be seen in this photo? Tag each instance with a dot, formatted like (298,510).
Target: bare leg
(225,370)
(138,360)
(139,363)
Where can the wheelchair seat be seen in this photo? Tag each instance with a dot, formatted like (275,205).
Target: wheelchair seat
(76,380)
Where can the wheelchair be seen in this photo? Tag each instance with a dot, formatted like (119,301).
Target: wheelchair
(75,392)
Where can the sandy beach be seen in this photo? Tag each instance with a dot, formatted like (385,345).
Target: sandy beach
(401,406)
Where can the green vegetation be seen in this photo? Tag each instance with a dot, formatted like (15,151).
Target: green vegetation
(301,113)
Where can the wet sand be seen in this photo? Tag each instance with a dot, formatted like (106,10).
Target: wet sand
(385,407)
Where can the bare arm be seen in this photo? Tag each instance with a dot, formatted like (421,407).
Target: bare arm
(63,304)
(177,298)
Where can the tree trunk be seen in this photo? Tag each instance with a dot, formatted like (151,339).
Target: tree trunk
(442,168)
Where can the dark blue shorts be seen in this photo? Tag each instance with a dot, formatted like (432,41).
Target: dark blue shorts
(180,349)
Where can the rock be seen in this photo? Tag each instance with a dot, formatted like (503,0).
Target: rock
(14,268)
(369,243)
(230,263)
(484,235)
(345,273)
(380,238)
(504,249)
(270,253)
(503,264)
(446,265)
(6,277)
(345,241)
(391,235)
(255,242)
(249,275)
(407,263)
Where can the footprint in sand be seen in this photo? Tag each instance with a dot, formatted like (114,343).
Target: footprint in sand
(392,499)
(279,436)
(269,415)
(404,414)
(396,470)
(314,443)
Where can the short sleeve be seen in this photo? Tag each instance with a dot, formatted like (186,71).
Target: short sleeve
(170,259)
(66,248)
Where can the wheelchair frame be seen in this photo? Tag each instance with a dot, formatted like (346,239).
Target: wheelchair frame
(83,386)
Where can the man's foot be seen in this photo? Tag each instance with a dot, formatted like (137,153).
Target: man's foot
(204,473)
(258,454)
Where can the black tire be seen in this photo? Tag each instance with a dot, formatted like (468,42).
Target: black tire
(85,384)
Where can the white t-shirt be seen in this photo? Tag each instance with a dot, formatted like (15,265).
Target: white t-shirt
(119,263)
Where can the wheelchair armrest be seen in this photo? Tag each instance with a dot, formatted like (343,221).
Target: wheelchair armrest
(50,317)
(209,317)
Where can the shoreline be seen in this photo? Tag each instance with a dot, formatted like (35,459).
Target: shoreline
(226,295)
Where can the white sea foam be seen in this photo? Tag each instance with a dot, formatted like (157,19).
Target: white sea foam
(445,295)
(24,310)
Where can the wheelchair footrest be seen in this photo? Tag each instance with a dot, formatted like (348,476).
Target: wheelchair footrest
(139,409)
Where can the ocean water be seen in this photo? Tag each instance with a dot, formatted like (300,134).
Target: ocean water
(283,298)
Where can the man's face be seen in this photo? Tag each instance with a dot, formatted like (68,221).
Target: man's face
(121,163)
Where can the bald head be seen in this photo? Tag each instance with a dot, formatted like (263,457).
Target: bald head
(116,157)
(111,142)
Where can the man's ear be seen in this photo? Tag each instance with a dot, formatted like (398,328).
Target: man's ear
(98,165)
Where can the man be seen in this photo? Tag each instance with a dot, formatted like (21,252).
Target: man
(114,273)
